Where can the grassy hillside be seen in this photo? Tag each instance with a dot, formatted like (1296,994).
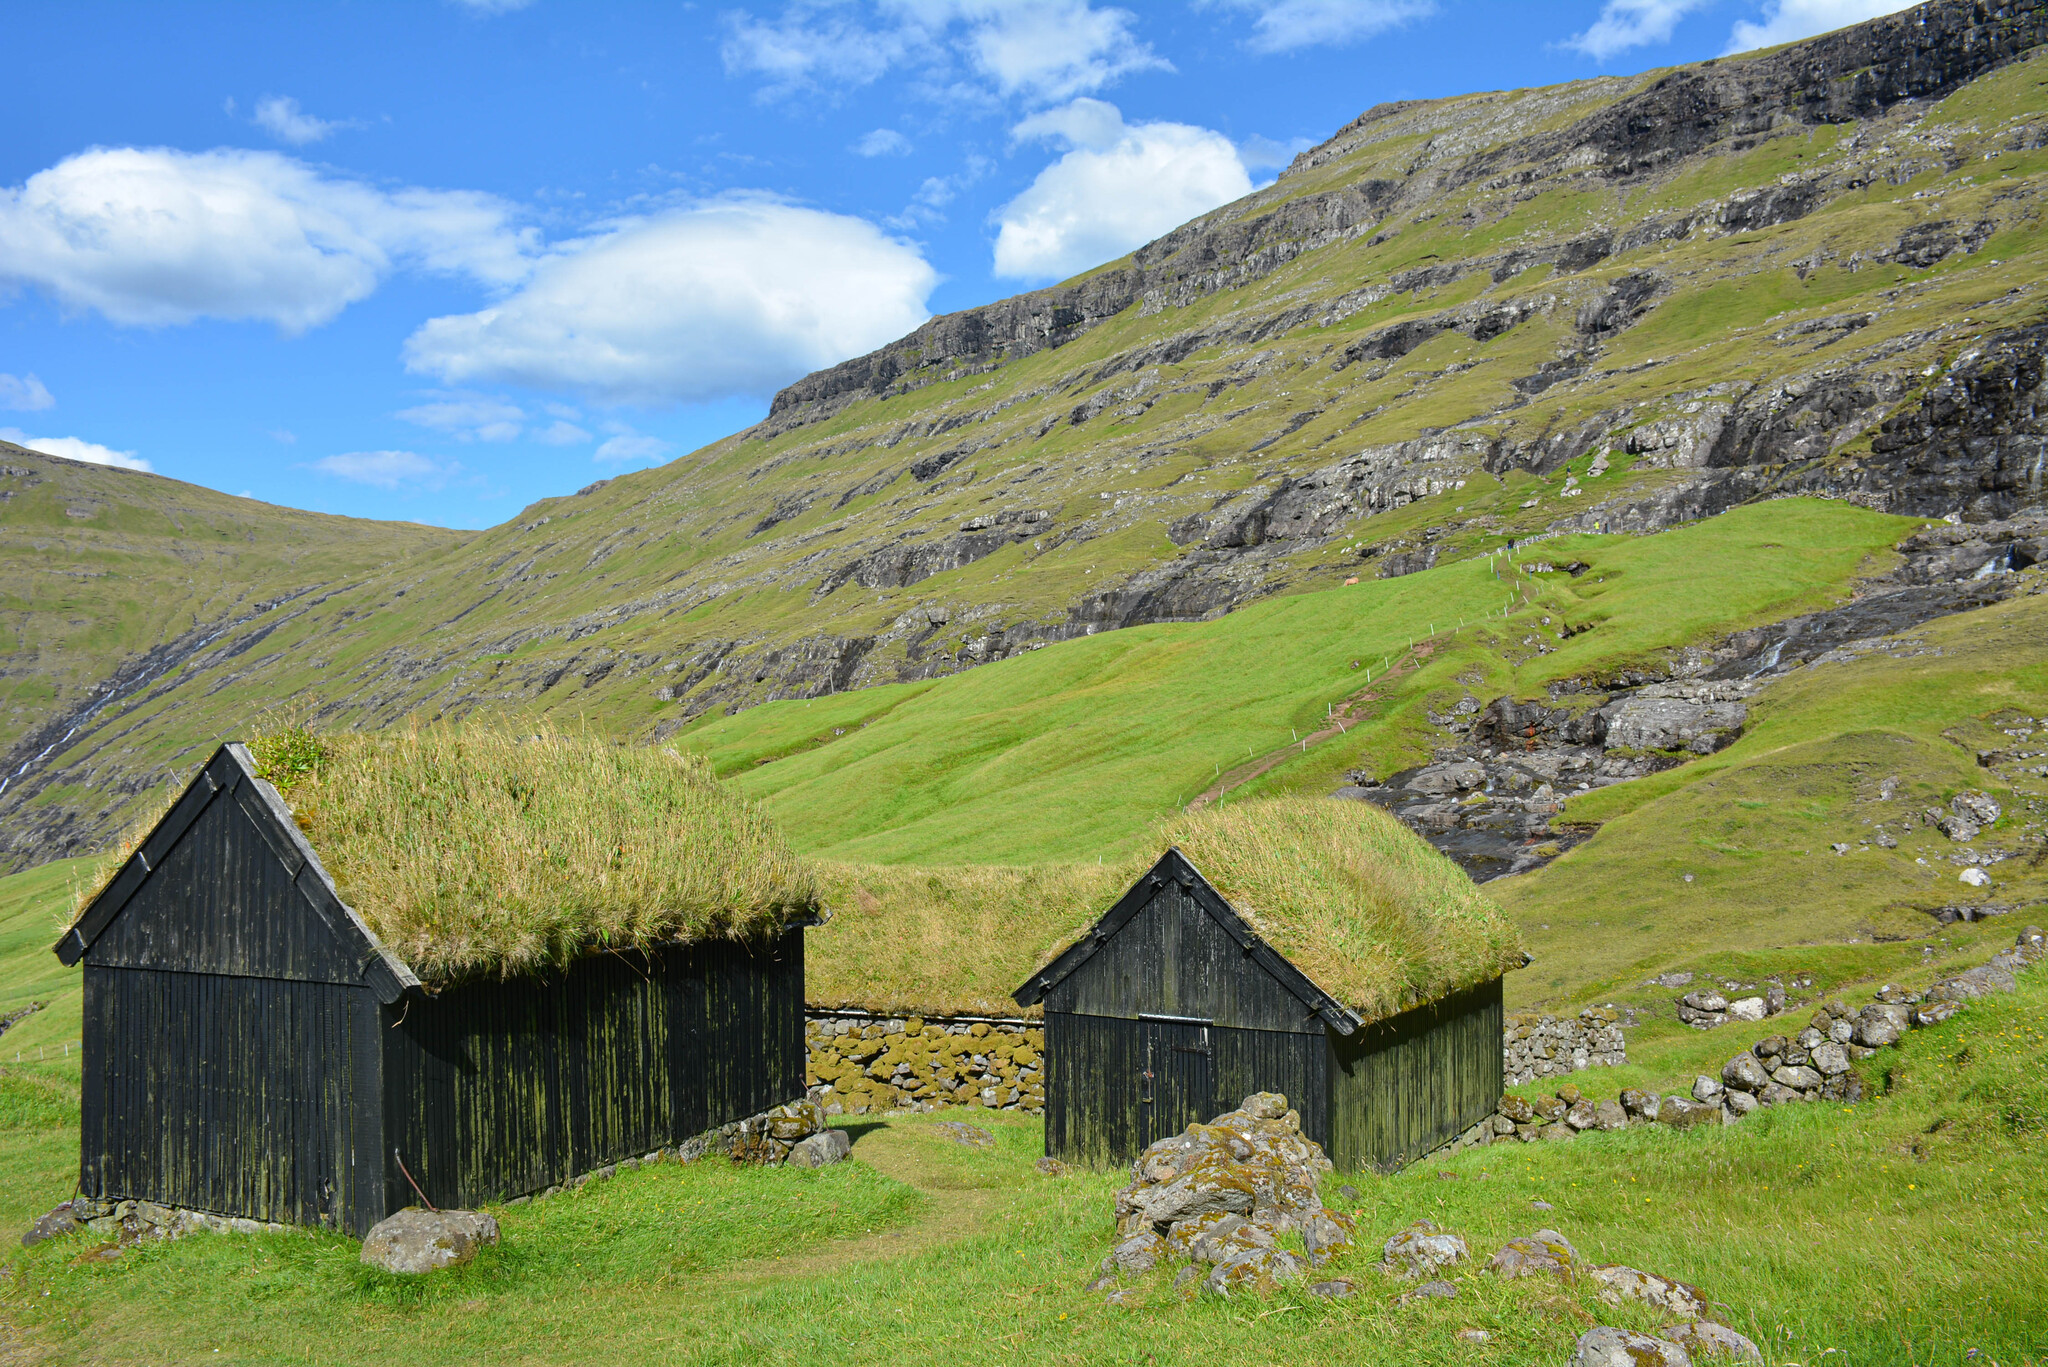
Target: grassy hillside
(115,586)
(1074,750)
(1435,376)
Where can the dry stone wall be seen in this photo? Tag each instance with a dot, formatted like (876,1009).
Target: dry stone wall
(860,1063)
(1552,1046)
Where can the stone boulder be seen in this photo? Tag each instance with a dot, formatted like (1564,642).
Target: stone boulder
(1830,1059)
(1618,1284)
(1708,1341)
(63,1220)
(416,1240)
(1799,1079)
(1744,1073)
(1605,1347)
(820,1150)
(1971,805)
(1421,1250)
(1544,1253)
(1139,1252)
(1681,1114)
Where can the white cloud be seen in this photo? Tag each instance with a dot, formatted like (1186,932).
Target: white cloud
(153,236)
(1624,24)
(561,433)
(1120,186)
(388,469)
(281,117)
(73,448)
(883,142)
(468,417)
(735,296)
(1785,21)
(626,444)
(1285,25)
(24,393)
(491,8)
(1037,50)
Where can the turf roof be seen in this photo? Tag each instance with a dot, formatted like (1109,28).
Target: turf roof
(1371,913)
(483,850)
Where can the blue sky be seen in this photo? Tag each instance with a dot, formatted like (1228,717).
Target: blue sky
(433,261)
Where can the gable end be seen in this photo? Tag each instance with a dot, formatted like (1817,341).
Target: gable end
(224,798)
(1174,868)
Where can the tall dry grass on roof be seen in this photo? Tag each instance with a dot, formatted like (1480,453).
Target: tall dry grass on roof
(486,850)
(1364,906)
(950,941)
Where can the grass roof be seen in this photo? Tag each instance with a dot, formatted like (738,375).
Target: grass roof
(946,941)
(1354,899)
(472,850)
(1357,901)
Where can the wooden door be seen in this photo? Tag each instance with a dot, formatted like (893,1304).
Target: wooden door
(1176,1081)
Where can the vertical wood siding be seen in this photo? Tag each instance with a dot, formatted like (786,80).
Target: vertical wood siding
(1100,1109)
(496,1089)
(1173,959)
(223,901)
(1402,1087)
(229,1094)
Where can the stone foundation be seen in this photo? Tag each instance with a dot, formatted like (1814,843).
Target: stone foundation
(860,1063)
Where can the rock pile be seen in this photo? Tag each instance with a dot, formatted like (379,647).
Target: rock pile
(1708,1009)
(1814,1065)
(122,1224)
(859,1064)
(1218,1198)
(1551,1046)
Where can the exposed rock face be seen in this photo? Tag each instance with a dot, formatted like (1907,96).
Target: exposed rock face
(414,1240)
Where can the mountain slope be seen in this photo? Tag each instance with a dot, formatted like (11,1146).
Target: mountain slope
(1618,304)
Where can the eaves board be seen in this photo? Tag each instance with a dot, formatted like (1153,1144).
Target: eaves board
(1174,867)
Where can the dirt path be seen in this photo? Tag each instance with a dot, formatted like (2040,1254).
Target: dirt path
(1348,714)
(961,1199)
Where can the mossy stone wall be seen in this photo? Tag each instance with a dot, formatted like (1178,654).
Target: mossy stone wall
(858,1063)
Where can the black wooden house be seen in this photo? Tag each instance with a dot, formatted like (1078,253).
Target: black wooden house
(252,1049)
(1171,1008)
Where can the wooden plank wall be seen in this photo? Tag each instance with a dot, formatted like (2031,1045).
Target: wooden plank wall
(1096,1113)
(1173,959)
(1405,1086)
(497,1089)
(235,1095)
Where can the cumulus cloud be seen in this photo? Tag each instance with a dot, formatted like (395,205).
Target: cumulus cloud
(468,417)
(154,236)
(561,432)
(1037,50)
(1117,187)
(281,117)
(388,469)
(1285,25)
(24,393)
(734,296)
(1624,24)
(1785,21)
(73,448)
(883,142)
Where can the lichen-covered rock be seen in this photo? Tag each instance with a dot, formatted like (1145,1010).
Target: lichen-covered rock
(1744,1073)
(1682,1114)
(62,1220)
(1830,1059)
(1627,1283)
(1606,1347)
(1326,1234)
(820,1150)
(1609,1115)
(1137,1253)
(1544,1253)
(1421,1249)
(1707,1341)
(1261,1270)
(1640,1103)
(1800,1079)
(415,1240)
(1582,1114)
(969,1136)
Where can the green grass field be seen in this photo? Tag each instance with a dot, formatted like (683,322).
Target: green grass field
(1070,752)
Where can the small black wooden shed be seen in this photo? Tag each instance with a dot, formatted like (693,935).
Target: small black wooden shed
(252,1049)
(1172,1008)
